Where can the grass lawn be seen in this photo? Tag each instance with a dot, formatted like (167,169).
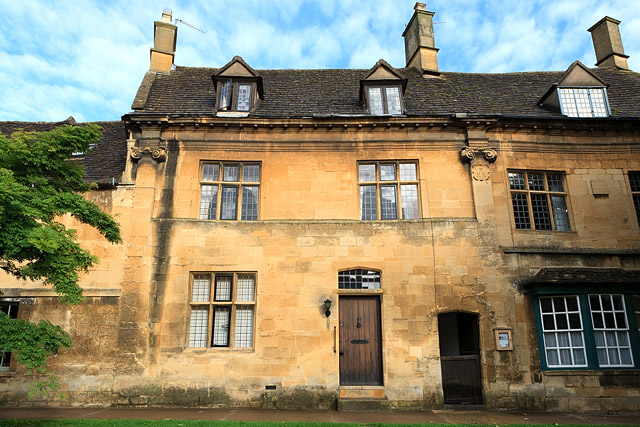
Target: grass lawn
(200,423)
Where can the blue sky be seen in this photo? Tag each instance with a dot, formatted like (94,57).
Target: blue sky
(86,58)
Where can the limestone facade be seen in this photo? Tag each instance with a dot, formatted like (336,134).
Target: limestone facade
(462,255)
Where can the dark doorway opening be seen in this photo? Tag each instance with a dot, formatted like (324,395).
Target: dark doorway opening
(460,358)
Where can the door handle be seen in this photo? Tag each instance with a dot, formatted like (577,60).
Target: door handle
(341,353)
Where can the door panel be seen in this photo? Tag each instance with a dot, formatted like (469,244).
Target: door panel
(360,341)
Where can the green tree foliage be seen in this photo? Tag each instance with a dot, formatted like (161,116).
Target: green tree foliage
(38,185)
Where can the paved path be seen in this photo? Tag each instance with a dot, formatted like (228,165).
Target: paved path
(427,417)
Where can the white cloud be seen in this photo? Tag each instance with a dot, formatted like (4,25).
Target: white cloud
(87,58)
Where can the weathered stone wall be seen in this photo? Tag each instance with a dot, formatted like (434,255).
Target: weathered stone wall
(131,335)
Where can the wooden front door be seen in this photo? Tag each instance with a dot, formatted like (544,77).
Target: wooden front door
(360,341)
(460,358)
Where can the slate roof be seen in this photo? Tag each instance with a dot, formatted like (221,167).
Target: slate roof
(584,276)
(105,163)
(308,93)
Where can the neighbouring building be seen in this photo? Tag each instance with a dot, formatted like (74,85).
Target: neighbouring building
(400,238)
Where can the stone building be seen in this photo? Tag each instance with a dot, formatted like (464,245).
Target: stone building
(400,238)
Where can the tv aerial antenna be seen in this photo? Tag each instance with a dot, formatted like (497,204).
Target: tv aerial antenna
(176,20)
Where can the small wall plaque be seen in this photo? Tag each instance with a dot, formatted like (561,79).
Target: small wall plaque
(503,339)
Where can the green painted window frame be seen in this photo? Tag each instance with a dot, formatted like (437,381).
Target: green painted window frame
(583,293)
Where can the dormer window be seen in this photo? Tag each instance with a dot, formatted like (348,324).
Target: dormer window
(583,102)
(238,88)
(382,89)
(235,95)
(577,93)
(384,100)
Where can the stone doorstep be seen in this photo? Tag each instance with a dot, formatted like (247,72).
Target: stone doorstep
(376,393)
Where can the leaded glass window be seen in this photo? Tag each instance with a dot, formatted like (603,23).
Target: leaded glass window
(583,102)
(388,190)
(539,200)
(384,100)
(227,188)
(222,310)
(359,279)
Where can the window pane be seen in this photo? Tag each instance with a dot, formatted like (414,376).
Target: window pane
(558,304)
(251,173)
(245,287)
(552,357)
(388,202)
(225,95)
(408,172)
(634,180)
(249,203)
(368,202)
(572,303)
(536,181)
(540,210)
(244,97)
(387,172)
(208,201)
(547,322)
(560,213)
(554,181)
(521,211)
(244,327)
(198,326)
(550,340)
(223,288)
(576,339)
(409,198)
(221,318)
(229,203)
(230,173)
(598,102)
(210,172)
(201,288)
(579,357)
(545,305)
(561,321)
(393,100)
(366,173)
(516,181)
(375,100)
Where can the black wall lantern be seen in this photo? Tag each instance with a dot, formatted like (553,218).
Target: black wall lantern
(327,307)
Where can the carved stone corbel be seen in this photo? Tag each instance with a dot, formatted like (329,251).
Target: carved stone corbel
(468,154)
(158,154)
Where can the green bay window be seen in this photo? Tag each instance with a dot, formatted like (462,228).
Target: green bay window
(595,328)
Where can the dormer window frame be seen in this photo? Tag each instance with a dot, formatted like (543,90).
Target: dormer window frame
(233,93)
(384,86)
(565,111)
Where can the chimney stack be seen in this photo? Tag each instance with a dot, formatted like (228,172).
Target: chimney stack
(164,44)
(608,44)
(419,45)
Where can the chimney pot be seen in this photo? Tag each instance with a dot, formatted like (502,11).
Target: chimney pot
(420,6)
(607,44)
(166,15)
